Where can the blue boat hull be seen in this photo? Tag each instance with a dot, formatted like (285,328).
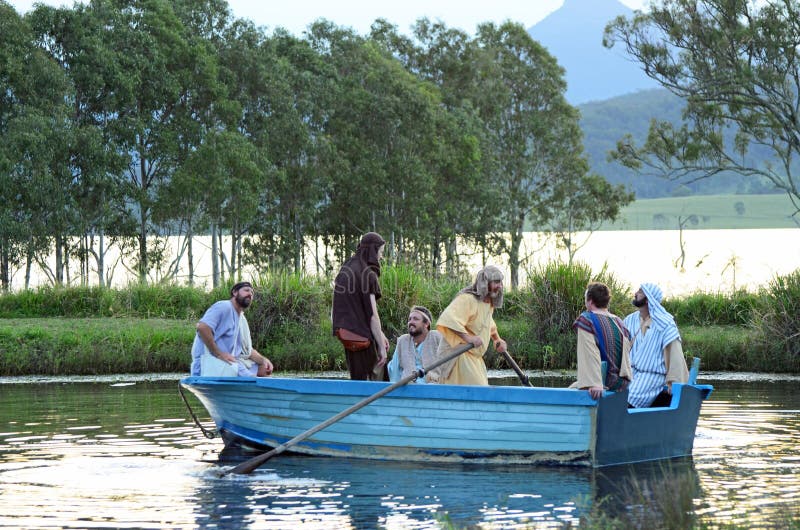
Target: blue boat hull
(447,423)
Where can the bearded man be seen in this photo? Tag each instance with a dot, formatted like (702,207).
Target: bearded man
(223,345)
(419,343)
(469,319)
(657,358)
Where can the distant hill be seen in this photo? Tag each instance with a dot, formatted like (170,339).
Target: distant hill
(616,98)
(606,122)
(573,34)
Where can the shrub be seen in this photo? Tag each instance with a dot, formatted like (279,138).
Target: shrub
(285,302)
(403,287)
(777,326)
(553,296)
(713,309)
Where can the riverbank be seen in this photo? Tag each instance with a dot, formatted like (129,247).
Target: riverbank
(105,346)
(142,329)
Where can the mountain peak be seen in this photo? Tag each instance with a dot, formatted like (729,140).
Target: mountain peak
(574,36)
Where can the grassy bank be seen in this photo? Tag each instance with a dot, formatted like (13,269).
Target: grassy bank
(150,329)
(88,346)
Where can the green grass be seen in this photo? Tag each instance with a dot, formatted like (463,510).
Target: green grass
(78,331)
(94,346)
(91,346)
(711,212)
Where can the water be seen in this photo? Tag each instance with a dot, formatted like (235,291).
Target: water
(123,453)
(713,260)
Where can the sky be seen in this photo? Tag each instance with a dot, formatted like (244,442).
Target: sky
(296,15)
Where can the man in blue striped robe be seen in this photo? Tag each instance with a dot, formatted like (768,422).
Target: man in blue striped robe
(657,358)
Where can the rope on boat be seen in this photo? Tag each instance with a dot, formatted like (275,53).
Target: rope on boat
(208,434)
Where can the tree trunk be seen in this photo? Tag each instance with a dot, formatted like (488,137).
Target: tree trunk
(451,251)
(59,261)
(513,252)
(28,267)
(214,257)
(234,240)
(4,266)
(190,253)
(436,253)
(101,258)
(298,248)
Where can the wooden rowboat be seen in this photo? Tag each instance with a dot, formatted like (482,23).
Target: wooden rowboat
(451,423)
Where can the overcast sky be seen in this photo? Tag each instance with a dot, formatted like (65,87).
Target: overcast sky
(296,15)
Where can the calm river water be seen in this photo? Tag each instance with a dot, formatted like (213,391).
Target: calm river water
(123,453)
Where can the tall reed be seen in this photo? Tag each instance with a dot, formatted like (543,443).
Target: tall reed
(548,304)
(777,324)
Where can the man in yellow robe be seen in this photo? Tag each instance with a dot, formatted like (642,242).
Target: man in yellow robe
(468,318)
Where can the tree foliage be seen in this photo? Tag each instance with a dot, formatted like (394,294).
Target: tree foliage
(737,66)
(123,121)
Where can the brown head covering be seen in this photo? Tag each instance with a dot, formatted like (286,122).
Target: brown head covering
(480,288)
(367,250)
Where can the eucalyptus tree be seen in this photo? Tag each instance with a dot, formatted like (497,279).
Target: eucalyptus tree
(466,204)
(294,102)
(384,126)
(521,101)
(737,65)
(225,177)
(77,40)
(202,117)
(158,68)
(579,202)
(32,122)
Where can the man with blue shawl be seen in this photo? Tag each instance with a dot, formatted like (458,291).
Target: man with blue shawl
(601,337)
(657,353)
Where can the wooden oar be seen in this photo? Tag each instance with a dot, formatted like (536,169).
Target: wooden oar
(515,366)
(249,465)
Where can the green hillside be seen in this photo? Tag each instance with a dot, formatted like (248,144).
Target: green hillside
(606,122)
(709,211)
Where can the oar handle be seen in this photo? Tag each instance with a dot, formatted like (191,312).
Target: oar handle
(515,366)
(248,466)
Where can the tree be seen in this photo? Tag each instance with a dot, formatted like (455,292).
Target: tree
(160,68)
(383,129)
(88,160)
(580,202)
(522,104)
(462,164)
(737,65)
(32,128)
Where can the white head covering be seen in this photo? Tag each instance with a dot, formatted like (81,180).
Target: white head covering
(662,319)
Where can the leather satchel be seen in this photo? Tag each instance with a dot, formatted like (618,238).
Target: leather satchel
(352,341)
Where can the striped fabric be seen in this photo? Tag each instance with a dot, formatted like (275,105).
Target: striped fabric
(608,332)
(647,358)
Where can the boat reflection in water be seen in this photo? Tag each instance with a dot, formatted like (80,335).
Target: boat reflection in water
(328,493)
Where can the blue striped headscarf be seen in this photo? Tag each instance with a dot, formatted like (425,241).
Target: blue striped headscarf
(663,321)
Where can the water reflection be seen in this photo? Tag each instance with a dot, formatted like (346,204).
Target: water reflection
(104,455)
(746,453)
(369,494)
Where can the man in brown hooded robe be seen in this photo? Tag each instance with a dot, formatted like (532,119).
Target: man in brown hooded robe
(469,318)
(356,292)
